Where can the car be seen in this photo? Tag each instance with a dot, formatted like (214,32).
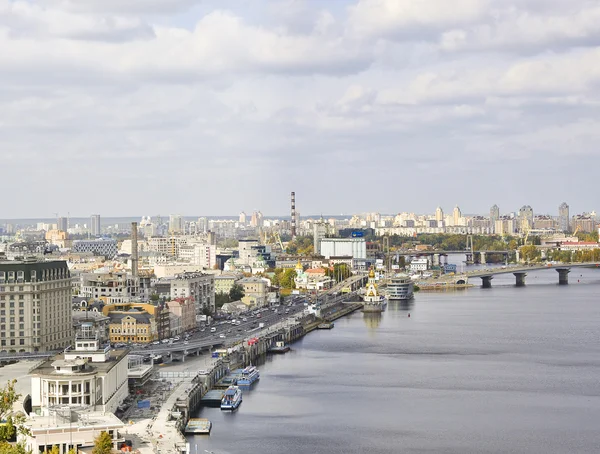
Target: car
(222,336)
(156,343)
(259,316)
(244,319)
(185,342)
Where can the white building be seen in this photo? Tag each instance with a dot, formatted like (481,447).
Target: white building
(421,264)
(74,394)
(199,286)
(344,247)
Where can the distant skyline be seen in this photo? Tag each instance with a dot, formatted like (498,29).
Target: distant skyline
(184,106)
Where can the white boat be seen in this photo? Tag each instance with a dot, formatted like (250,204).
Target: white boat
(249,375)
(373,301)
(400,288)
(232,398)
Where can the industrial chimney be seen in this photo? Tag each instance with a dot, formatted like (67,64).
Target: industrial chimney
(293,215)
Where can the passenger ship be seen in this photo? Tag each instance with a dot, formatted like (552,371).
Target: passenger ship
(249,375)
(373,301)
(400,288)
(232,398)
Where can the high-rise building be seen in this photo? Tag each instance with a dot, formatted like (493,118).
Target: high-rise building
(62,224)
(525,218)
(320,231)
(176,224)
(242,218)
(563,217)
(439,215)
(36,297)
(95,225)
(494,216)
(456,215)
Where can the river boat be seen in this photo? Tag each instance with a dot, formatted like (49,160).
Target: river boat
(400,288)
(249,375)
(373,301)
(325,325)
(280,347)
(198,426)
(232,398)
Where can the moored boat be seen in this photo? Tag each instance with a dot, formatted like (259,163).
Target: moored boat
(325,325)
(279,348)
(400,288)
(198,426)
(249,375)
(232,398)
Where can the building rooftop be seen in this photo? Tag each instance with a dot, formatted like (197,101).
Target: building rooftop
(47,367)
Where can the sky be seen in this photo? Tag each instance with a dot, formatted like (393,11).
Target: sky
(211,107)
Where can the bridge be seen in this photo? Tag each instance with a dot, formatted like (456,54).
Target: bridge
(521,271)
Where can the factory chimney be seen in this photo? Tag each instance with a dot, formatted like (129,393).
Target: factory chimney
(293,215)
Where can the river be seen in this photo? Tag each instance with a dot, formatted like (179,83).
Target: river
(500,370)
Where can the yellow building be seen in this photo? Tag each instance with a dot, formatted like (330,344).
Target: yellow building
(131,327)
(137,322)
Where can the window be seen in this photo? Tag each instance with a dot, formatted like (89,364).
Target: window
(21,341)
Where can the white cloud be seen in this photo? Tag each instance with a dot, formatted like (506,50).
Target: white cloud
(401,17)
(89,88)
(522,31)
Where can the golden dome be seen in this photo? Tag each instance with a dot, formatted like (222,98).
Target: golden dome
(299,265)
(372,273)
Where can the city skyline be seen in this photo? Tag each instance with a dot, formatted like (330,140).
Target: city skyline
(209,106)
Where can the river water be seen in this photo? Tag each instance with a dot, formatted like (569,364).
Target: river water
(500,370)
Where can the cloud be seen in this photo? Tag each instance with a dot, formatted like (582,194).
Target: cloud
(402,18)
(120,6)
(523,31)
(267,97)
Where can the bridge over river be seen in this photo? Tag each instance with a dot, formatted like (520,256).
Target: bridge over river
(521,271)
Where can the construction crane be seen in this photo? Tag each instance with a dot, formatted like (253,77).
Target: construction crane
(577,229)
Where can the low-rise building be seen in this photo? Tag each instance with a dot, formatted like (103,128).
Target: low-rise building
(138,322)
(105,247)
(110,286)
(74,395)
(183,315)
(255,291)
(199,286)
(419,264)
(224,282)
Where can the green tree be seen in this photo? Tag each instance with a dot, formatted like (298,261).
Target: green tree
(286,280)
(529,253)
(236,293)
(14,421)
(154,297)
(103,444)
(221,298)
(341,271)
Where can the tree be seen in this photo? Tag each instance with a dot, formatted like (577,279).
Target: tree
(529,253)
(154,297)
(236,293)
(103,444)
(221,298)
(14,421)
(286,280)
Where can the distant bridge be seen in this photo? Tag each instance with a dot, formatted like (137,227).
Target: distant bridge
(521,271)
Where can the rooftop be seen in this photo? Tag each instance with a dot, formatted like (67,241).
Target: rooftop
(46,368)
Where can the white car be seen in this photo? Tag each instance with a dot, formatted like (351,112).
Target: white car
(222,336)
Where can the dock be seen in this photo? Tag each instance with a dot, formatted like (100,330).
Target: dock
(212,398)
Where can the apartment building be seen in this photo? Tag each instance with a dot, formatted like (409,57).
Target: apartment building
(199,286)
(35,306)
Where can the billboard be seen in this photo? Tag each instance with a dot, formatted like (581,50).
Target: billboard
(143,404)
(358,234)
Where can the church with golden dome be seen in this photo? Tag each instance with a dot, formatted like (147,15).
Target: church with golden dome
(373,301)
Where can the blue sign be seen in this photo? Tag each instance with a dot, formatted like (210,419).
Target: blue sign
(214,355)
(143,404)
(358,234)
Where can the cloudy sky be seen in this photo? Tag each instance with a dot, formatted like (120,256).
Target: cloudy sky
(210,107)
